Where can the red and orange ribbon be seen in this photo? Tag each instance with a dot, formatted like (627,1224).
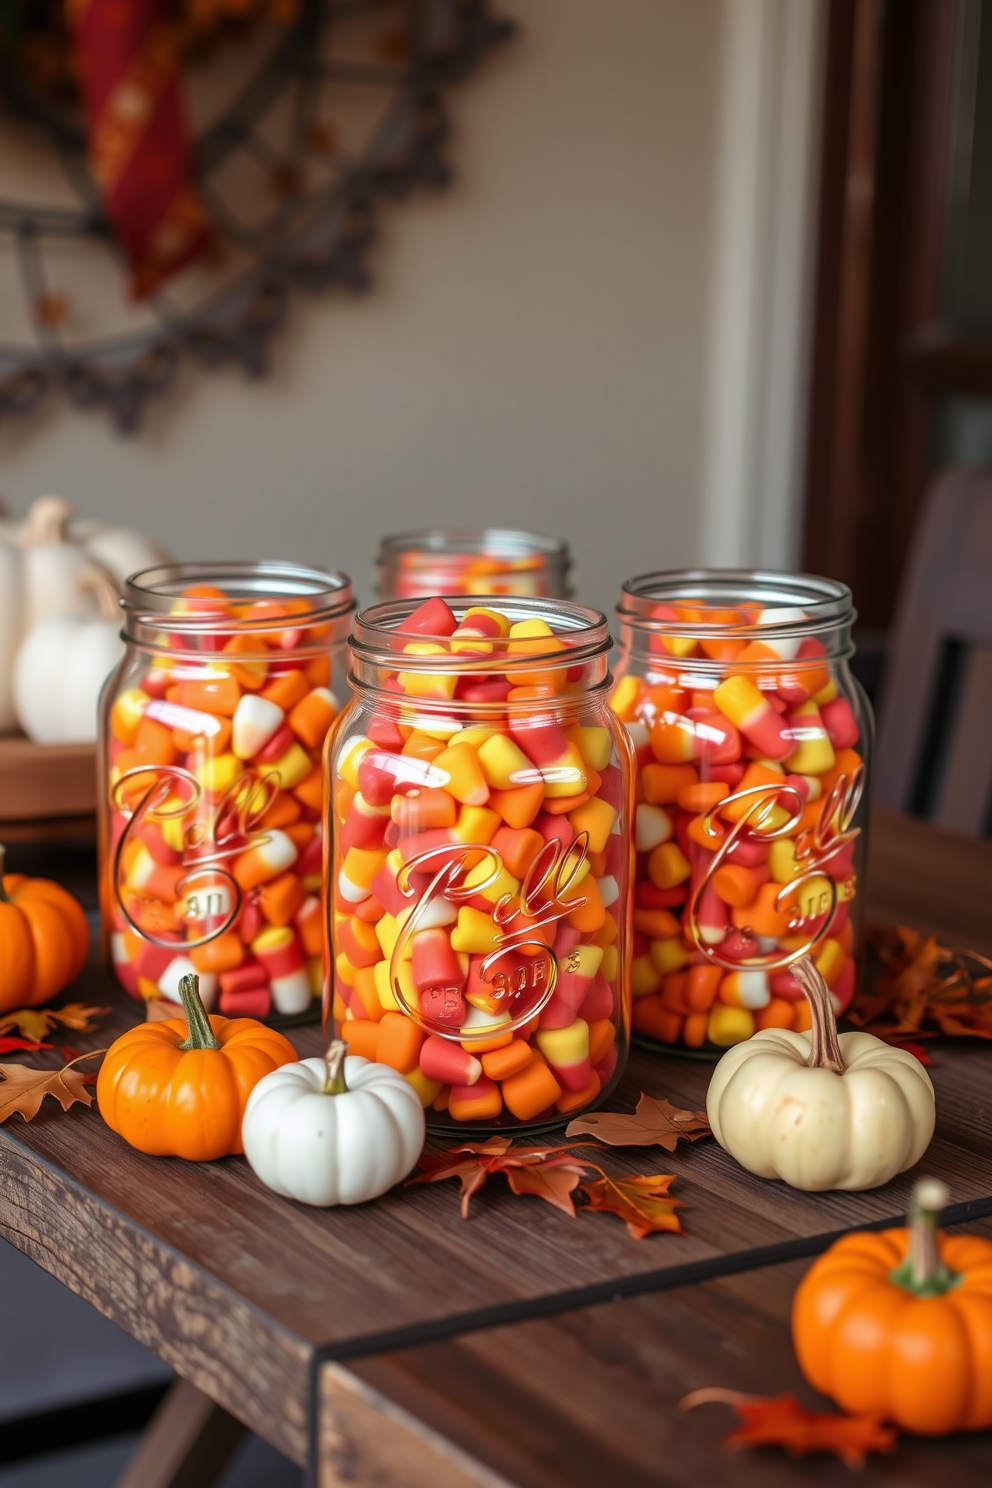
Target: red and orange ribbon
(138,147)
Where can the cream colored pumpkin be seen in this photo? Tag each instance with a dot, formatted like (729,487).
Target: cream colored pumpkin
(41,561)
(62,665)
(820,1110)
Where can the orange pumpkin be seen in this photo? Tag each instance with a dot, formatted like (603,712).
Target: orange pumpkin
(899,1324)
(179,1088)
(44,939)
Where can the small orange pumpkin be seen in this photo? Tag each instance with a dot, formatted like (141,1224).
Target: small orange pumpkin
(44,939)
(179,1089)
(899,1323)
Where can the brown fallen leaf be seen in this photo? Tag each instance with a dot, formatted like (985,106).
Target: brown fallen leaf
(657,1123)
(548,1172)
(641,1203)
(35,1023)
(923,989)
(23,1089)
(780,1421)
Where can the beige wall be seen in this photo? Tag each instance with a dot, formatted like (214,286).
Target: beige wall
(532,353)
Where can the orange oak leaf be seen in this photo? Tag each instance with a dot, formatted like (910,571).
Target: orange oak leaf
(34,1023)
(641,1203)
(23,1090)
(780,1421)
(657,1123)
(549,1172)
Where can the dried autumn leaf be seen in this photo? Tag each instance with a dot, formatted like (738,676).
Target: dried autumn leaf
(34,1023)
(23,1090)
(548,1172)
(923,989)
(657,1123)
(780,1421)
(78,1016)
(641,1203)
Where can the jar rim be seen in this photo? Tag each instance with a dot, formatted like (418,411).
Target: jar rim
(149,594)
(376,629)
(440,543)
(826,603)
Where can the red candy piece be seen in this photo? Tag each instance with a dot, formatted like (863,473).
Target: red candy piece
(441,1059)
(432,618)
(434,962)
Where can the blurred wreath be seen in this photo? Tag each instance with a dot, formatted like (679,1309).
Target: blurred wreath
(105,82)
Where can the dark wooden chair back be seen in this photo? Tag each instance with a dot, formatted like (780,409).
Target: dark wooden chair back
(934,755)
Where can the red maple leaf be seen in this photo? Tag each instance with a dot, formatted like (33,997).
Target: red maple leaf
(780,1421)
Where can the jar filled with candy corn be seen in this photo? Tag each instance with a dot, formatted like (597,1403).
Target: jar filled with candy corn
(752,742)
(490,560)
(211,736)
(479,822)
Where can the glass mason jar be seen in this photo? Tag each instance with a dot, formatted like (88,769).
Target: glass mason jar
(478,833)
(210,824)
(476,561)
(753,743)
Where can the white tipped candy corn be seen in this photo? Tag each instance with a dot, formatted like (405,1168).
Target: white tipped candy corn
(254,723)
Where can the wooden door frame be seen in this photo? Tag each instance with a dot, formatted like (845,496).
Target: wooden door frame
(878,288)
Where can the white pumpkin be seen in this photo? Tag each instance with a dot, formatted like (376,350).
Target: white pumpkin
(122,551)
(41,560)
(337,1130)
(817,1110)
(62,664)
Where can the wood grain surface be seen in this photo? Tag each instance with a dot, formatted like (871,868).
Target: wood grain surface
(591,1398)
(46,780)
(235,1287)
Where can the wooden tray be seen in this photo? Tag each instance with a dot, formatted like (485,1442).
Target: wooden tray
(46,790)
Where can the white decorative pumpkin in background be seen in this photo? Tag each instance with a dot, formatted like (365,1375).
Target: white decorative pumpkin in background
(41,561)
(820,1110)
(62,664)
(337,1130)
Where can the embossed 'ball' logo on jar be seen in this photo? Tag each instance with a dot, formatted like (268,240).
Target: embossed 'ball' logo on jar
(177,843)
(811,878)
(516,977)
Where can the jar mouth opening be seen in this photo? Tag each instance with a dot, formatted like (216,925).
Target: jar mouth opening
(744,602)
(300,596)
(436,546)
(379,637)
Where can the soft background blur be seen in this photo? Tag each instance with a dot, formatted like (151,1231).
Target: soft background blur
(539,347)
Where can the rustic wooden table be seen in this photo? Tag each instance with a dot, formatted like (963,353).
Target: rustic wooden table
(396,1345)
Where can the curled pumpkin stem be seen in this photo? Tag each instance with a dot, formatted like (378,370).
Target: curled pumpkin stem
(714,1395)
(199,1034)
(334,1059)
(824,1047)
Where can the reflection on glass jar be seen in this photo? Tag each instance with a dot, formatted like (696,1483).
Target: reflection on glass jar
(479,800)
(479,561)
(752,742)
(210,825)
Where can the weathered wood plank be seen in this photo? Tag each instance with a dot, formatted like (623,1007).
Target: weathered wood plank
(592,1397)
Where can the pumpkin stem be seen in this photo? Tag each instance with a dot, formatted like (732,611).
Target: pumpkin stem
(334,1060)
(4,896)
(199,1033)
(824,1048)
(97,580)
(46,521)
(923,1272)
